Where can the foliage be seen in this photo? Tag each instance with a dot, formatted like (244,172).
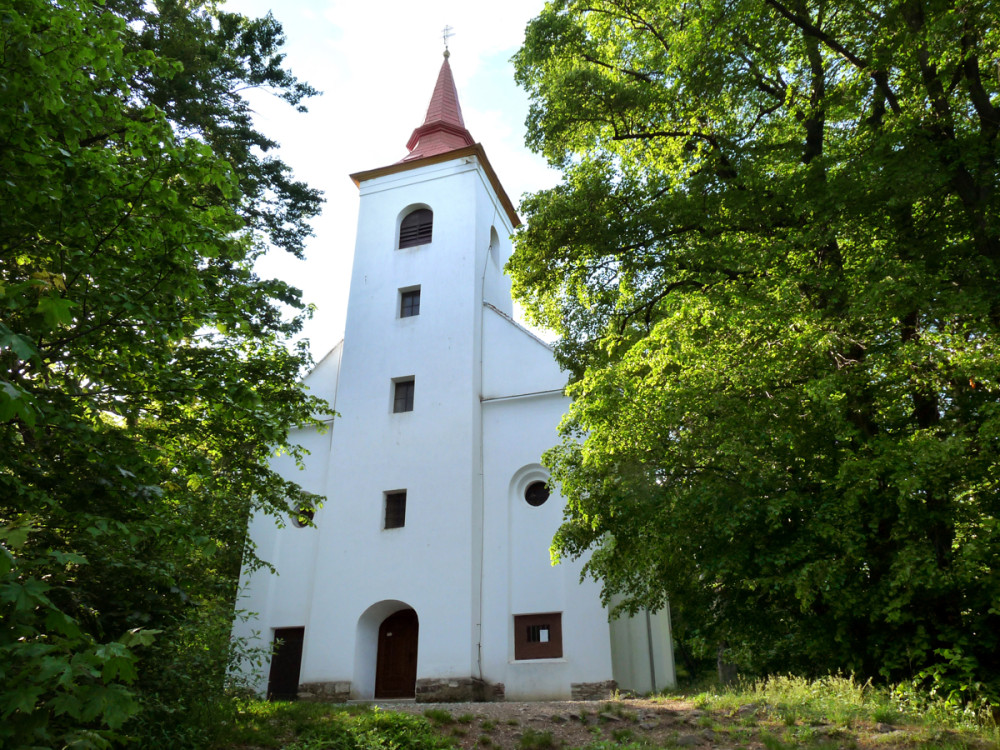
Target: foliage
(145,377)
(840,701)
(439,716)
(774,261)
(536,739)
(311,726)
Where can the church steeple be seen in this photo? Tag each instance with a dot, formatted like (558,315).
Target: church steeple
(443,129)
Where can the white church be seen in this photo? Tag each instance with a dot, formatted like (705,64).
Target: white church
(427,573)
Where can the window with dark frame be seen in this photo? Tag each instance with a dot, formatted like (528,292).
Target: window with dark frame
(536,493)
(538,636)
(402,398)
(409,303)
(303,515)
(416,228)
(395,510)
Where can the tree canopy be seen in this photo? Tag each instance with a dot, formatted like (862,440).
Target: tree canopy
(146,373)
(774,261)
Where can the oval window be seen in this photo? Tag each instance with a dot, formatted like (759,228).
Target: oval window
(303,517)
(536,493)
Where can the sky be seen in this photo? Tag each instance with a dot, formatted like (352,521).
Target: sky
(376,62)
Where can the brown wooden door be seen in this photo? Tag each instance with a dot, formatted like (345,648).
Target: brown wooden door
(396,664)
(283,679)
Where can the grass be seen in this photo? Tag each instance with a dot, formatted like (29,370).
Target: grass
(315,726)
(533,739)
(779,713)
(841,701)
(622,736)
(617,708)
(439,717)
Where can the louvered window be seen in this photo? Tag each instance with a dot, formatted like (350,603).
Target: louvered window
(395,510)
(416,228)
(402,399)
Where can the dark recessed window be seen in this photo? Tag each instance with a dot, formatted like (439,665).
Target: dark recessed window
(538,636)
(416,228)
(409,303)
(303,516)
(395,510)
(402,399)
(536,493)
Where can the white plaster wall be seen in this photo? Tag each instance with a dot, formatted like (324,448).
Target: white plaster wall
(433,452)
(282,600)
(454,454)
(515,362)
(496,284)
(519,577)
(631,638)
(322,379)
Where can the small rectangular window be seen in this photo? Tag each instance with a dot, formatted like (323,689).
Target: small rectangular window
(395,510)
(538,636)
(402,396)
(409,303)
(538,633)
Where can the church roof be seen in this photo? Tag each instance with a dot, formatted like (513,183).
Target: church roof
(443,137)
(443,129)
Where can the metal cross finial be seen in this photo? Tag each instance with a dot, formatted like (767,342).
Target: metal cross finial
(446,34)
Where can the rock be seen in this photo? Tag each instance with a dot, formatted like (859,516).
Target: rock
(687,740)
(558,718)
(592,691)
(648,725)
(608,716)
(746,708)
(827,730)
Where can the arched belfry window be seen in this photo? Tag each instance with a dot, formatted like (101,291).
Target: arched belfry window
(416,228)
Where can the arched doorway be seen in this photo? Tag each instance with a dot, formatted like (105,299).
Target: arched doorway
(396,662)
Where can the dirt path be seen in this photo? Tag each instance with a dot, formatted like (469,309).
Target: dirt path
(559,723)
(670,723)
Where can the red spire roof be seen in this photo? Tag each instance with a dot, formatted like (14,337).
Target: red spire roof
(443,129)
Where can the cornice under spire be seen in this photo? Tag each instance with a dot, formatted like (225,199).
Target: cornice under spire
(443,129)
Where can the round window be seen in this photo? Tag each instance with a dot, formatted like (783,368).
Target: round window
(303,517)
(536,493)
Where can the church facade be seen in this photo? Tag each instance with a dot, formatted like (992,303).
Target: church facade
(427,572)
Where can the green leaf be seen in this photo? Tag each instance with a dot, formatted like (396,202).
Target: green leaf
(56,310)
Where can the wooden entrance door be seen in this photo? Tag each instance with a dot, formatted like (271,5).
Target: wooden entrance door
(283,679)
(396,664)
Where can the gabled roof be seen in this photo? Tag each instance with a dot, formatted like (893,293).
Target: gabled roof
(444,128)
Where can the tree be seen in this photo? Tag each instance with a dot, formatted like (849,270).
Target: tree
(774,261)
(146,376)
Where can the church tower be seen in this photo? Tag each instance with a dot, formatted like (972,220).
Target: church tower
(427,572)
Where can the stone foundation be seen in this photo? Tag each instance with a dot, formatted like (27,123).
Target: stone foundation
(325,692)
(457,690)
(592,691)
(492,692)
